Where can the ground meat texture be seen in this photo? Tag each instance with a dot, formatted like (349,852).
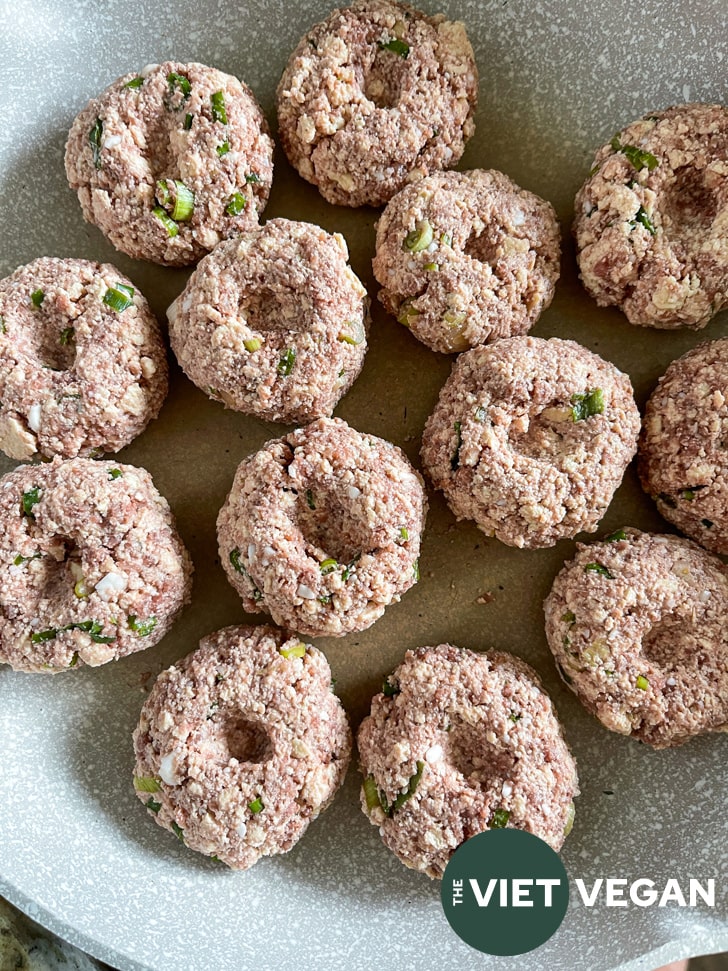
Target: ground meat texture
(83,366)
(241,744)
(638,625)
(322,529)
(93,568)
(274,323)
(683,452)
(530,438)
(170,161)
(458,743)
(466,257)
(650,219)
(375,96)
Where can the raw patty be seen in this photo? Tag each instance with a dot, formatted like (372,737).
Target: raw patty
(241,744)
(683,462)
(83,366)
(650,221)
(322,529)
(530,438)
(376,95)
(466,257)
(273,323)
(135,153)
(459,743)
(638,625)
(93,568)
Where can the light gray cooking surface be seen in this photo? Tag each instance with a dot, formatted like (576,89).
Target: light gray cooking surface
(77,850)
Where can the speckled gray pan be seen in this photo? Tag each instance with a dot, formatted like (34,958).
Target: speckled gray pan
(77,850)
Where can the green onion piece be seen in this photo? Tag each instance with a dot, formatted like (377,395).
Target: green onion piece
(74,660)
(588,404)
(3,328)
(256,806)
(325,599)
(514,717)
(30,499)
(169,224)
(403,533)
(355,334)
(396,46)
(20,559)
(454,318)
(178,832)
(371,795)
(642,682)
(644,220)
(409,791)
(162,192)
(176,80)
(252,344)
(389,690)
(419,238)
(223,149)
(235,560)
(455,460)
(115,473)
(187,122)
(285,365)
(252,177)
(119,297)
(236,204)
(639,158)
(152,805)
(94,137)
(616,536)
(350,568)
(569,617)
(598,568)
(416,570)
(499,819)
(570,816)
(217,100)
(407,314)
(136,82)
(481,413)
(688,494)
(141,627)
(309,499)
(298,650)
(37,297)
(66,336)
(147,783)
(431,267)
(93,628)
(44,635)
(328,566)
(446,239)
(80,589)
(184,202)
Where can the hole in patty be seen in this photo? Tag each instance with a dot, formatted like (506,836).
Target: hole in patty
(268,309)
(233,736)
(672,641)
(383,79)
(55,346)
(688,208)
(549,435)
(47,592)
(327,519)
(474,757)
(483,246)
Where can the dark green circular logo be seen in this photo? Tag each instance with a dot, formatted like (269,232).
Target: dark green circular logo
(505,892)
